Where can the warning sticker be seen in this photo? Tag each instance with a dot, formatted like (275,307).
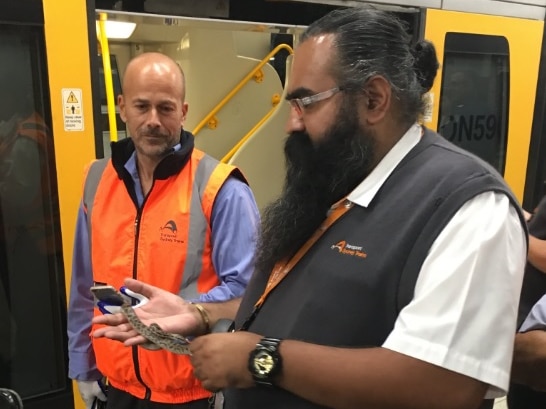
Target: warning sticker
(72,109)
(71,98)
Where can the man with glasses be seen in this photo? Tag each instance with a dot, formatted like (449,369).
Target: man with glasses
(388,272)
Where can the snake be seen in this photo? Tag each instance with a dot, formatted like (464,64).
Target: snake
(157,338)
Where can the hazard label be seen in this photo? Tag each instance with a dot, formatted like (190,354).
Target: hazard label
(72,109)
(71,98)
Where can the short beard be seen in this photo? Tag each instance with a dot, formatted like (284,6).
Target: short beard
(162,146)
(317,176)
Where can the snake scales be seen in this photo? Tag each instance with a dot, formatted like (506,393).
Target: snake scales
(157,338)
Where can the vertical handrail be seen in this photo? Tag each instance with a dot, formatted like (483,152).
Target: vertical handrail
(238,87)
(108,83)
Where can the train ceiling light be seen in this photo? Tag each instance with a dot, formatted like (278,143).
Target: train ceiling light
(118,29)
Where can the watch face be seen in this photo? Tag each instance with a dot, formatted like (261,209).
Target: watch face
(263,363)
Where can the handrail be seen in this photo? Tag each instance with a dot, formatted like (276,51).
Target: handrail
(236,89)
(108,83)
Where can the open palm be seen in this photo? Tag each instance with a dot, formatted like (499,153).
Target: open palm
(165,309)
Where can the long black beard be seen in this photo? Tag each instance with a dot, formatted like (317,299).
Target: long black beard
(317,176)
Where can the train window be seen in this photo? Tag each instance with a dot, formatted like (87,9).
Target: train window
(474,97)
(32,293)
(278,61)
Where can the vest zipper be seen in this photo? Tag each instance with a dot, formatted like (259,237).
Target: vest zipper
(148,392)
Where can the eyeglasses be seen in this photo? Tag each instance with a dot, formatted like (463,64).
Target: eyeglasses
(300,104)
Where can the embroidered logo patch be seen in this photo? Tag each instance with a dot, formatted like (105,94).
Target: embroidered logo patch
(348,249)
(168,232)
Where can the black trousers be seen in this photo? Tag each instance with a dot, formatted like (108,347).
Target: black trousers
(122,400)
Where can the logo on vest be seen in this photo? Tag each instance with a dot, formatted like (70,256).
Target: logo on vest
(348,249)
(168,232)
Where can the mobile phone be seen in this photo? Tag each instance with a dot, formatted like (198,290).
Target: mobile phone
(108,295)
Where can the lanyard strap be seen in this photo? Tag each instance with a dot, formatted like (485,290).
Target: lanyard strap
(283,267)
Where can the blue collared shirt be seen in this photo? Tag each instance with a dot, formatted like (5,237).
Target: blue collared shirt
(536,318)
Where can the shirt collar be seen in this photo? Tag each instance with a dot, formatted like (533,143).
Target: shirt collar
(364,193)
(131,164)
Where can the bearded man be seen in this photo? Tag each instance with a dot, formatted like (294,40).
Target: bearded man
(388,272)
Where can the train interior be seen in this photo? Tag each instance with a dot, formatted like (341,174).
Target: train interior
(236,72)
(234,89)
(237,63)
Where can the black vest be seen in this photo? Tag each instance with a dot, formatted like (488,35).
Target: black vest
(349,288)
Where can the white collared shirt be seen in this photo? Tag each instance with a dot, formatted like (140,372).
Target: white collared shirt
(463,314)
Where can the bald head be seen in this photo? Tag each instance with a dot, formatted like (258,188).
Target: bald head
(152,67)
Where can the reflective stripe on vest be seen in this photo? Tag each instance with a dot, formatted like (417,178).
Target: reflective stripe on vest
(199,222)
(94,174)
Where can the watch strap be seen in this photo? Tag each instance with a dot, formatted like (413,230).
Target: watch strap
(272,343)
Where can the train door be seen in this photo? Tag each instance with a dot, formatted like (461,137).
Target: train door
(46,139)
(484,96)
(32,291)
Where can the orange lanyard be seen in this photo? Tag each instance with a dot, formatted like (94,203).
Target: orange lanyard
(283,267)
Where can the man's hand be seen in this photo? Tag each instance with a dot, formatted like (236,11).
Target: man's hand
(165,309)
(89,391)
(221,360)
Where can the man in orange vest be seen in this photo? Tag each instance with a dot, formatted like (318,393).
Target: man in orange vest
(166,213)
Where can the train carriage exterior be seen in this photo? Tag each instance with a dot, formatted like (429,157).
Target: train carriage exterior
(61,64)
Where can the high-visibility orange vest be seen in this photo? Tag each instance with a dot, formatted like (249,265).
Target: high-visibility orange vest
(167,245)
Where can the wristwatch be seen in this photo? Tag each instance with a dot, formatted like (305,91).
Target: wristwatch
(265,362)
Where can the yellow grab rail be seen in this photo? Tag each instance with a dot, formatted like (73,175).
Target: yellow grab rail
(240,85)
(108,83)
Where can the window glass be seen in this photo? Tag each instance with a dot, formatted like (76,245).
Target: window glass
(474,97)
(32,301)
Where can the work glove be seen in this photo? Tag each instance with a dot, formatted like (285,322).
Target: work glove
(135,299)
(91,391)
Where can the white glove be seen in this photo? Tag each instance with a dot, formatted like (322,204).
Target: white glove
(89,391)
